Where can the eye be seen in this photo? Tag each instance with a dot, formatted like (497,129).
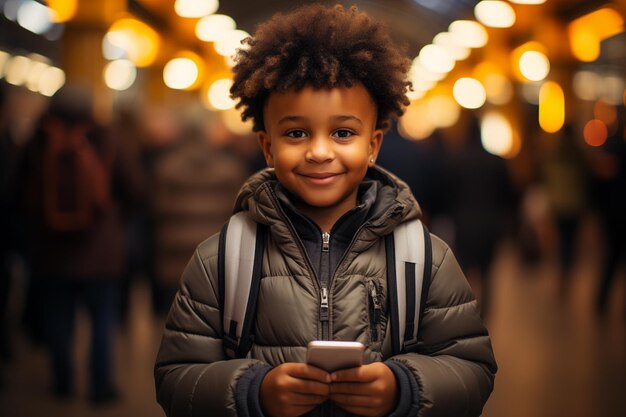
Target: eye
(343,133)
(296,134)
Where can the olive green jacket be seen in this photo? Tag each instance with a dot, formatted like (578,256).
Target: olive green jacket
(450,374)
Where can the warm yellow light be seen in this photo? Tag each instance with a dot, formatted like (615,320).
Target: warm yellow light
(181,73)
(419,73)
(551,107)
(586,32)
(210,28)
(219,94)
(516,56)
(498,88)
(51,80)
(446,41)
(415,94)
(469,93)
(595,132)
(17,69)
(139,40)
(436,59)
(228,43)
(534,65)
(414,124)
(62,10)
(120,74)
(232,121)
(468,33)
(4,59)
(195,8)
(111,45)
(496,134)
(442,111)
(495,13)
(34,75)
(584,43)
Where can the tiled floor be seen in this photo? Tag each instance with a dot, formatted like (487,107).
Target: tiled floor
(556,358)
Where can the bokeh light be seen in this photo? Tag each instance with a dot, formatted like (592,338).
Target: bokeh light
(595,132)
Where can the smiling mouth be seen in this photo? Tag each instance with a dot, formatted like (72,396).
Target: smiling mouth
(319,178)
(319,175)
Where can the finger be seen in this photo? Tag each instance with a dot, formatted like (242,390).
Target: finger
(358,374)
(305,371)
(349,400)
(355,388)
(309,387)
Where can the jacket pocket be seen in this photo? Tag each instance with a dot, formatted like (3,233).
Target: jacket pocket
(374,309)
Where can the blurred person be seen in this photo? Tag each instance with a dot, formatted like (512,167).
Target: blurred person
(480,201)
(77,182)
(126,127)
(609,169)
(195,180)
(565,176)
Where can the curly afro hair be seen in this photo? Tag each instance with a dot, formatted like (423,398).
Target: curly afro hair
(323,47)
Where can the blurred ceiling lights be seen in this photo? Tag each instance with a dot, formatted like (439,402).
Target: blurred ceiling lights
(481,77)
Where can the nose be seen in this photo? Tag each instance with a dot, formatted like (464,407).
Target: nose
(320,149)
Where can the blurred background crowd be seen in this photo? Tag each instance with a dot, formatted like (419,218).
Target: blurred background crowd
(120,151)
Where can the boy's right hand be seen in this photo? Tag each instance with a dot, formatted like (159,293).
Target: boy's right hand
(292,389)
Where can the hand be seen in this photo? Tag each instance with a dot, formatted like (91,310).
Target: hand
(369,390)
(292,389)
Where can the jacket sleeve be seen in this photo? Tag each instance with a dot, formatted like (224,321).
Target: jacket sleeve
(454,365)
(192,375)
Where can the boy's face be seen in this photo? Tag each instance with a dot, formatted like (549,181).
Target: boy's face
(320,143)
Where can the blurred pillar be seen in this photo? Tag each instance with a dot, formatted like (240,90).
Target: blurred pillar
(81,50)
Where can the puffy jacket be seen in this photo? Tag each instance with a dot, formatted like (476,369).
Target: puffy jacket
(451,373)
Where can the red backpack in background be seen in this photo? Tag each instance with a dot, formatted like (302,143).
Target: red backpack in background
(76,179)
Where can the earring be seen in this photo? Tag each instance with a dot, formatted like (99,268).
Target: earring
(372,160)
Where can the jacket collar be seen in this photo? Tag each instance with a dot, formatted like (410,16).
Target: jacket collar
(393,202)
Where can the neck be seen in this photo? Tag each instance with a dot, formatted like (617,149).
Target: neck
(326,217)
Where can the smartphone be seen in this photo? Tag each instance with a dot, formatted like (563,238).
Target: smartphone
(331,355)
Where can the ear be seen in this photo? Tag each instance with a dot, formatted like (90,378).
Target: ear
(266,146)
(376,142)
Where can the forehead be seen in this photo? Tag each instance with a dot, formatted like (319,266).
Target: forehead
(324,103)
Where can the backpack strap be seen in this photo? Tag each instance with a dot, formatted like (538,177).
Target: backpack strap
(240,255)
(409,264)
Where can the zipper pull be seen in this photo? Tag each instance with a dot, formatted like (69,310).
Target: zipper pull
(374,295)
(324,304)
(325,242)
(375,311)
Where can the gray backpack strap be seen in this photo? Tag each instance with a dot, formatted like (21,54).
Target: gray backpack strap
(409,263)
(240,255)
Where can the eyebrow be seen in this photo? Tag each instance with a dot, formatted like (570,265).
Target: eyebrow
(340,118)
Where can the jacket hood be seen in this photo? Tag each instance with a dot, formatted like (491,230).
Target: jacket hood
(394,201)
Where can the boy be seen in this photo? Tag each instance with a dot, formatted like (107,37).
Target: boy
(321,85)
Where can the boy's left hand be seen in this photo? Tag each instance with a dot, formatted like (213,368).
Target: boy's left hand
(369,390)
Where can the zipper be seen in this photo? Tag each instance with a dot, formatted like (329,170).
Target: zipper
(325,242)
(324,304)
(324,286)
(375,309)
(320,285)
